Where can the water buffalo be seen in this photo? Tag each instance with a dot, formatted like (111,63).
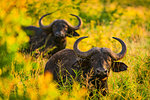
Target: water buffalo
(51,38)
(94,64)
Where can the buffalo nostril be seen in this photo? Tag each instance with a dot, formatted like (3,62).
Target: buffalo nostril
(98,71)
(106,71)
(103,71)
(57,34)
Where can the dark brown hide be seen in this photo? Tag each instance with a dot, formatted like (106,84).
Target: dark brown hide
(51,38)
(96,64)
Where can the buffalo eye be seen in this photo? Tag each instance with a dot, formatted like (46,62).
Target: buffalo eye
(65,27)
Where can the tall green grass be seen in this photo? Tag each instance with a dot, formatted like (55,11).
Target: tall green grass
(21,75)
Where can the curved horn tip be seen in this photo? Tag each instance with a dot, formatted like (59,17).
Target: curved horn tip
(80,53)
(46,14)
(114,37)
(123,51)
(83,37)
(72,15)
(79,24)
(40,22)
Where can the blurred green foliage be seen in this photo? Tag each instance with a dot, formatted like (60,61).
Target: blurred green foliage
(21,75)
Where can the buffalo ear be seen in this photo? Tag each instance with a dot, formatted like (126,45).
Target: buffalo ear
(75,34)
(118,66)
(72,34)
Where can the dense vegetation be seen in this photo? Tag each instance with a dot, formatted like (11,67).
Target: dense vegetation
(21,75)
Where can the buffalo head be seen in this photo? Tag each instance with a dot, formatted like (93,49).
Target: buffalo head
(60,28)
(101,60)
(49,39)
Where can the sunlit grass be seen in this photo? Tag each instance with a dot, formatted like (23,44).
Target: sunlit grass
(22,76)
